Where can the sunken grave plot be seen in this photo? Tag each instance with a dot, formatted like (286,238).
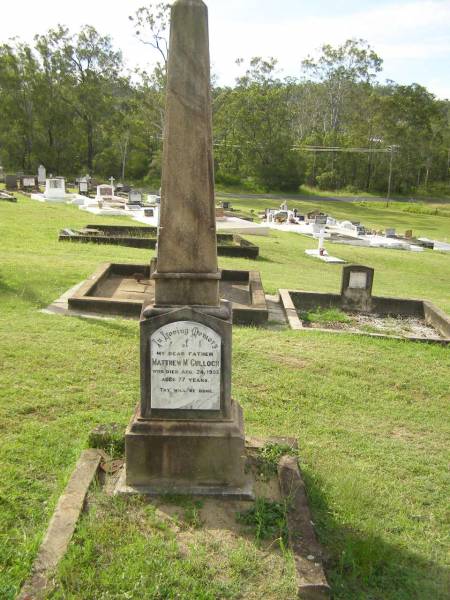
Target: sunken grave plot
(121,289)
(356,310)
(228,244)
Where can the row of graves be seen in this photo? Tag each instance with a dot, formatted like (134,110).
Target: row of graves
(107,200)
(96,198)
(317,223)
(186,435)
(103,199)
(23,182)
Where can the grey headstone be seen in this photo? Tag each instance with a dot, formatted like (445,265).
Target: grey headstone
(356,288)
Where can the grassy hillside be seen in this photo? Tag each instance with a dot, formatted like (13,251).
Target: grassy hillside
(370,417)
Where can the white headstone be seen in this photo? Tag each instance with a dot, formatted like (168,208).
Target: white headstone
(321,239)
(55,188)
(104,190)
(42,174)
(185,367)
(134,197)
(28,182)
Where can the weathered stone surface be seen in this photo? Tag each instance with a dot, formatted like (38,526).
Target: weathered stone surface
(187,435)
(11,182)
(356,288)
(185,366)
(312,582)
(187,456)
(437,318)
(208,398)
(187,233)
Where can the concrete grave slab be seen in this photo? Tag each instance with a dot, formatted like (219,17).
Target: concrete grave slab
(107,292)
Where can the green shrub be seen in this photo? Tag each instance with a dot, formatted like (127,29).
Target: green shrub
(327,180)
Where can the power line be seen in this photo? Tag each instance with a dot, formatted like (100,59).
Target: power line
(345,149)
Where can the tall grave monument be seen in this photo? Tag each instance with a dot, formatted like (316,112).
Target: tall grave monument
(187,435)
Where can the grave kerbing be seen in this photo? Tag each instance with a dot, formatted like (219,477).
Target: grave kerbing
(187,435)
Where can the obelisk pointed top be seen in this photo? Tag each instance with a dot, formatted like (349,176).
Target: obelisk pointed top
(189,2)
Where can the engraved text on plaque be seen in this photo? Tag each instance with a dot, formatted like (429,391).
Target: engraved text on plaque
(185,359)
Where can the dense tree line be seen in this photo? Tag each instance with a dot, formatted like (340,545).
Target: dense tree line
(67,102)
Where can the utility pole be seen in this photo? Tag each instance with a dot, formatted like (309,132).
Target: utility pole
(392,149)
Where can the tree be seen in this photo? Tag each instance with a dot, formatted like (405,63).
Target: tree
(18,76)
(339,70)
(156,19)
(252,128)
(90,69)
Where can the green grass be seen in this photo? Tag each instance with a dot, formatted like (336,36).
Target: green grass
(270,455)
(267,519)
(369,414)
(308,190)
(440,192)
(325,316)
(123,549)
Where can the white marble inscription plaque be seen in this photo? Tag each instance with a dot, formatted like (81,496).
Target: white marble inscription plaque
(358,280)
(185,363)
(28,182)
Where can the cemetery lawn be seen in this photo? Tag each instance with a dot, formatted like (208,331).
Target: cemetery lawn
(370,415)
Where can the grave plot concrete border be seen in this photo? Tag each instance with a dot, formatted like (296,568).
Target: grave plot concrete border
(307,550)
(295,300)
(85,298)
(228,244)
(132,240)
(61,526)
(239,247)
(308,553)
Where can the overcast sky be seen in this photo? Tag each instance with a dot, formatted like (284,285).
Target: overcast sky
(412,36)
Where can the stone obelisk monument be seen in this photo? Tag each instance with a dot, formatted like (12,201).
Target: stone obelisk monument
(187,247)
(187,435)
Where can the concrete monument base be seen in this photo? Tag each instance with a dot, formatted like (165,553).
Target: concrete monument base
(186,457)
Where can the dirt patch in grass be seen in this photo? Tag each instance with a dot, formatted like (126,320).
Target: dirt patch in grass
(289,361)
(369,323)
(403,434)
